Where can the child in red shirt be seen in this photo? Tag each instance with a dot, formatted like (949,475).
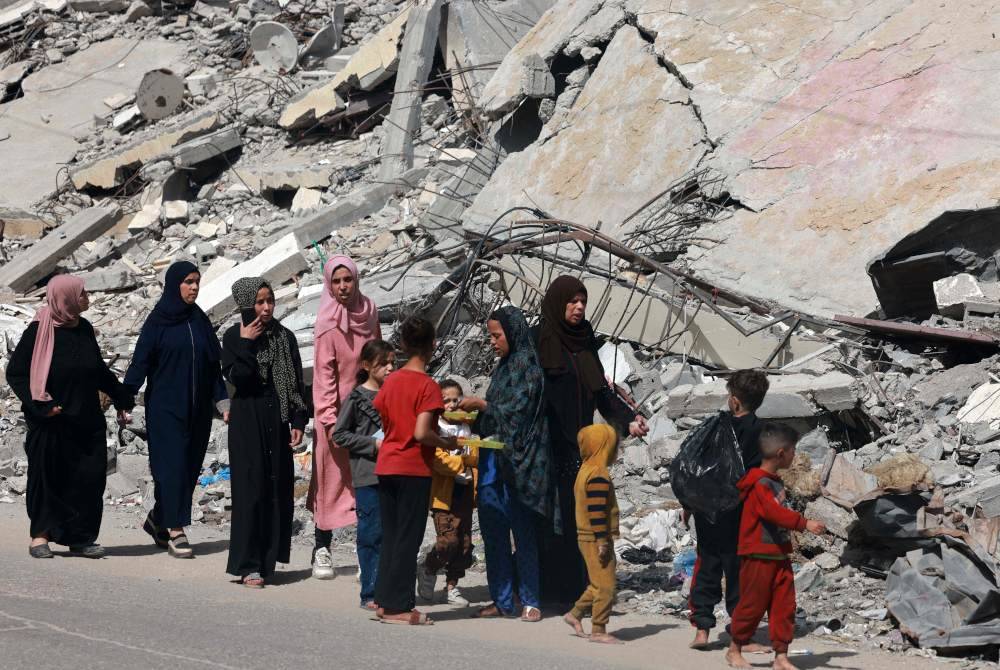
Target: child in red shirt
(767,583)
(409,404)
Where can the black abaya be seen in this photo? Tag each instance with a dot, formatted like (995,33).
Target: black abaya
(260,459)
(67,454)
(569,408)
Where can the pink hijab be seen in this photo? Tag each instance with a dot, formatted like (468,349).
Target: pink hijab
(63,309)
(357,317)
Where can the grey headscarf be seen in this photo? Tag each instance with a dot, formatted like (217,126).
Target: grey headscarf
(274,354)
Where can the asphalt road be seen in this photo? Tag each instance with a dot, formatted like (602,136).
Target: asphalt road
(139,608)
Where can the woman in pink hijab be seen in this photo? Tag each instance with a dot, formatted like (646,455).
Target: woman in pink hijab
(345,322)
(56,371)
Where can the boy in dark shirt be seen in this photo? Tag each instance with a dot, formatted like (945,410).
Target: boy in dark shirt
(717,542)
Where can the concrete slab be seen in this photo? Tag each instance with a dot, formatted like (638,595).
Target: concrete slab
(373,63)
(60,99)
(951,294)
(352,208)
(16,222)
(204,148)
(276,264)
(31,265)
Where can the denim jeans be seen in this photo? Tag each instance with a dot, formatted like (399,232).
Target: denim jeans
(369,538)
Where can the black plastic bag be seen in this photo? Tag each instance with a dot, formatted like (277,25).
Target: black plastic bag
(705,472)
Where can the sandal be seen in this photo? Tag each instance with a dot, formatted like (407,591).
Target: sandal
(160,537)
(253,581)
(178,547)
(531,614)
(411,618)
(370,606)
(491,611)
(41,551)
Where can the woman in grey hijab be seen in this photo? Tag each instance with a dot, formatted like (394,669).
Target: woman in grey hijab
(268,413)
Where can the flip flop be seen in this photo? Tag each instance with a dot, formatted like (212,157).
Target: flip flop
(491,611)
(253,581)
(412,618)
(531,614)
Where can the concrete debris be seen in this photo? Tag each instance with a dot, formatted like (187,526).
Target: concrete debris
(40,259)
(467,152)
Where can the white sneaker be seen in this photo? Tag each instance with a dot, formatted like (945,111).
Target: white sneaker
(323,564)
(455,597)
(425,584)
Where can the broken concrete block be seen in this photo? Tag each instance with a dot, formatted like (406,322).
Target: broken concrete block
(352,208)
(118,485)
(204,81)
(286,177)
(175,211)
(204,148)
(40,259)
(536,79)
(111,279)
(146,218)
(18,223)
(374,62)
(119,100)
(983,405)
(206,229)
(416,58)
(846,484)
(951,294)
(111,170)
(217,268)
(306,199)
(276,264)
(137,10)
(126,118)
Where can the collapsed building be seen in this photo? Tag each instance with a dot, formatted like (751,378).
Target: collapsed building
(789,186)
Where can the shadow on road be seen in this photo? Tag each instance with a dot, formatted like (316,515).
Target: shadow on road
(638,632)
(285,577)
(150,549)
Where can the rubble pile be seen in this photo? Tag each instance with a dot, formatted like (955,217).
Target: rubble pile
(466,152)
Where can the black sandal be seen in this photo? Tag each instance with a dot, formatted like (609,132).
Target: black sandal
(41,551)
(178,547)
(160,537)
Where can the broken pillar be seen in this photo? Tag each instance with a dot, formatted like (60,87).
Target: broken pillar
(29,266)
(416,58)
(277,263)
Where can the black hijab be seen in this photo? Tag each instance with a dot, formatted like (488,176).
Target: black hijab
(558,335)
(171,310)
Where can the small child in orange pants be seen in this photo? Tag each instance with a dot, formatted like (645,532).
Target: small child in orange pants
(596,528)
(767,583)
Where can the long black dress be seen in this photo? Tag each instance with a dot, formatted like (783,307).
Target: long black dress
(260,459)
(67,454)
(569,408)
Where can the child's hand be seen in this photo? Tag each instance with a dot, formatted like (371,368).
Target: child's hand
(450,443)
(815,527)
(604,554)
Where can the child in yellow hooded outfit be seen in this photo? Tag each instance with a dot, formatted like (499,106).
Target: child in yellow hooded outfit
(596,528)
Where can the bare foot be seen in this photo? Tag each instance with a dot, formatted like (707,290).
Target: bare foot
(604,638)
(39,541)
(575,624)
(781,662)
(700,640)
(754,648)
(735,659)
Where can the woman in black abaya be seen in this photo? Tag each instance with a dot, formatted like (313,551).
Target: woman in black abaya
(260,358)
(56,372)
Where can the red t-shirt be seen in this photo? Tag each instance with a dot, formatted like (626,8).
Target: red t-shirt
(405,394)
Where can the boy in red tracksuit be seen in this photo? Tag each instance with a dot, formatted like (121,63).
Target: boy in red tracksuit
(766,580)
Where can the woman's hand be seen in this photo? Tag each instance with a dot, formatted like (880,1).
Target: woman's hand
(296,438)
(253,330)
(124,418)
(54,411)
(639,427)
(472,404)
(225,417)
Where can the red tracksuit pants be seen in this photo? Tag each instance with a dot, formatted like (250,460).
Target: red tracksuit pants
(765,586)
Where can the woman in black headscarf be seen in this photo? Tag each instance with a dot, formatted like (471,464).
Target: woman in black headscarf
(260,358)
(177,356)
(514,485)
(574,387)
